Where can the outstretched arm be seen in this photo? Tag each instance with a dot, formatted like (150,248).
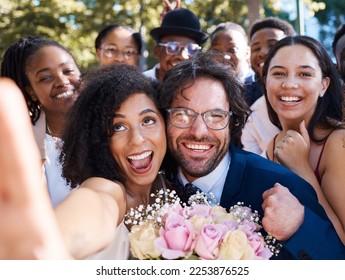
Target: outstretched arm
(83,224)
(88,217)
(28,228)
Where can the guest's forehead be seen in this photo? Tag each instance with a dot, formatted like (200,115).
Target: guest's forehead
(266,35)
(229,35)
(295,56)
(119,38)
(204,94)
(177,38)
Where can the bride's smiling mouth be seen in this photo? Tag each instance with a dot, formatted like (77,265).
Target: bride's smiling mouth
(141,162)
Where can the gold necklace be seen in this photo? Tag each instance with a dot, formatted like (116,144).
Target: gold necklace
(56,138)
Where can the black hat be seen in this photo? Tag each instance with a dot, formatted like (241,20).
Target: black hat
(180,22)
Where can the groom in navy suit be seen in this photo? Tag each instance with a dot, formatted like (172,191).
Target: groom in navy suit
(205,115)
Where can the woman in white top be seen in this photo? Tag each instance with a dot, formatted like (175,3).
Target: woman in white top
(49,79)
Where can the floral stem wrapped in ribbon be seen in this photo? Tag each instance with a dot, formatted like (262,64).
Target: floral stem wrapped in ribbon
(169,230)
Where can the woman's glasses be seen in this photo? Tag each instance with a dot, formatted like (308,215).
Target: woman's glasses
(127,53)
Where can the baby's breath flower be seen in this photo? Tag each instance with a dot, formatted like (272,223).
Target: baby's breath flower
(153,212)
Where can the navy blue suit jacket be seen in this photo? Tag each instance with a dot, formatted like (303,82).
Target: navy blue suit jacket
(250,175)
(253,91)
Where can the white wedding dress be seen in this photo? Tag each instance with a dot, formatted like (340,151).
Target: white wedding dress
(57,186)
(118,249)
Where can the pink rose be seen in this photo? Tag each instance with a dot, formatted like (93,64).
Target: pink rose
(230,224)
(176,238)
(168,209)
(197,210)
(248,227)
(208,240)
(258,245)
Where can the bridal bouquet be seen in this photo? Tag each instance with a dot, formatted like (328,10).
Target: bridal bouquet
(167,230)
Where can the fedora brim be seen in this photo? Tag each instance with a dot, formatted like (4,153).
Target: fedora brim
(159,32)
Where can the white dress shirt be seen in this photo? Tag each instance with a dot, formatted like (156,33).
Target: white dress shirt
(212,183)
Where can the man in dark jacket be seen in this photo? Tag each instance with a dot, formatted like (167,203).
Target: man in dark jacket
(206,112)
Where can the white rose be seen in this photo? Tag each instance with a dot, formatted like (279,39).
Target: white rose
(235,246)
(141,239)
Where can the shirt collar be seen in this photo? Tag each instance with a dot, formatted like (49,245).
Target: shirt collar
(212,182)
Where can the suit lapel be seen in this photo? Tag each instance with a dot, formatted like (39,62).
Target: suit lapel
(233,180)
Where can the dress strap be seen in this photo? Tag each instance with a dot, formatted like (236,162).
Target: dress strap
(316,171)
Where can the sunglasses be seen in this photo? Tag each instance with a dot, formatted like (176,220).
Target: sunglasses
(173,48)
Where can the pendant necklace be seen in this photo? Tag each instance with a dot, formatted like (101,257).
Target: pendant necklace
(56,139)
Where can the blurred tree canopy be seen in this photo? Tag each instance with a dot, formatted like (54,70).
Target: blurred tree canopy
(76,23)
(330,20)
